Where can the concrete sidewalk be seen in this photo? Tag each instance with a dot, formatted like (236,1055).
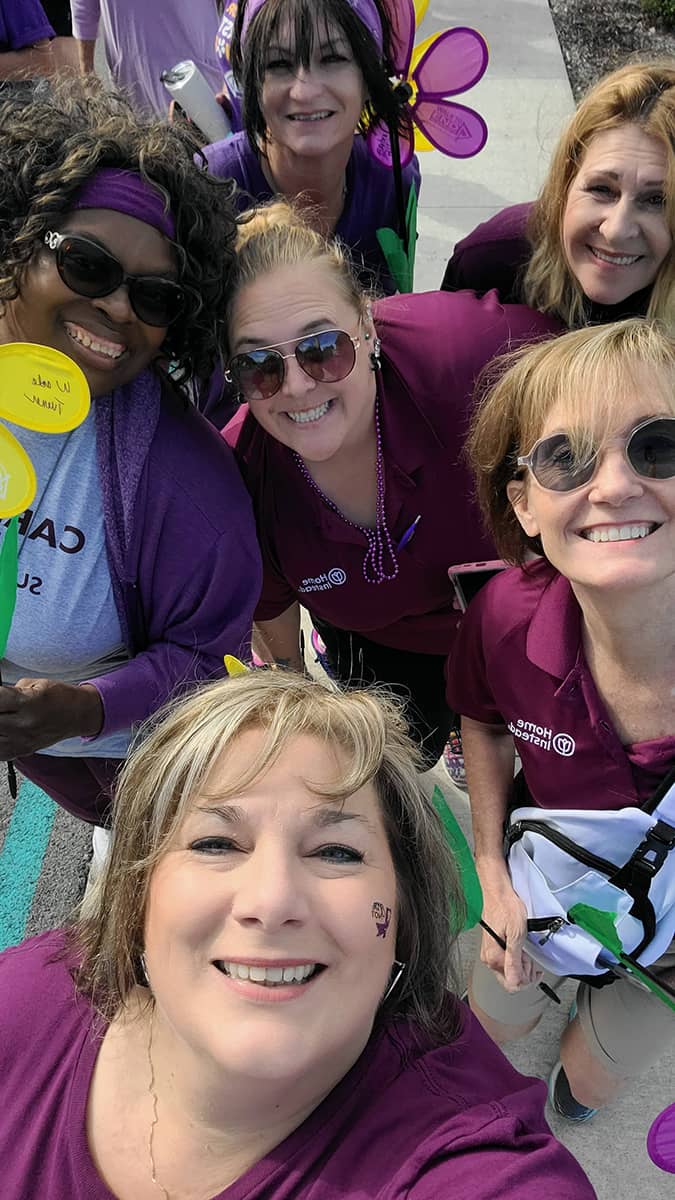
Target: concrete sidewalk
(524,97)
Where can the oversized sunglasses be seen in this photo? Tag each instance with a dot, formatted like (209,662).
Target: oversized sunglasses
(649,449)
(326,357)
(92,271)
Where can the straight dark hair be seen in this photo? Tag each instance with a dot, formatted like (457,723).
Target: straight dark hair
(307,19)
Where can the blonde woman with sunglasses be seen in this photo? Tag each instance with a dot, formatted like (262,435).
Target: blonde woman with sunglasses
(569,658)
(351,445)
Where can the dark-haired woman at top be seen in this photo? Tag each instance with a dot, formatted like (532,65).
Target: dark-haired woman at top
(315,76)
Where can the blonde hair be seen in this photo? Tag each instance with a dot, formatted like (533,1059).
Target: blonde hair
(586,373)
(278,235)
(642,94)
(170,768)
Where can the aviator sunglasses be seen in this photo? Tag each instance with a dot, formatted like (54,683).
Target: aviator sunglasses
(327,357)
(92,271)
(649,450)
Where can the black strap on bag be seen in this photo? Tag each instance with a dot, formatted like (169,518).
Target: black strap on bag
(634,877)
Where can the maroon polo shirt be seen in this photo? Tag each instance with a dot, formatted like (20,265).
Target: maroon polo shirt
(519,662)
(434,345)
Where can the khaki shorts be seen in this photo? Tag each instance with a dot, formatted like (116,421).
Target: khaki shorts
(626,1027)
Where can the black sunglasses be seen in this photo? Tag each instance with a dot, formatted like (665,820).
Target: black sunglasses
(649,451)
(90,270)
(326,357)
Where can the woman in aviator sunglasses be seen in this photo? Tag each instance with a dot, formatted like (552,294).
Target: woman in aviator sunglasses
(569,658)
(351,446)
(138,565)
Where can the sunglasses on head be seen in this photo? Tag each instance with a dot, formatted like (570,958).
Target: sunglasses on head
(326,357)
(649,451)
(92,271)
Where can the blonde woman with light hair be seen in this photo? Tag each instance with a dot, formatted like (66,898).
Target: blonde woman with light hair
(596,245)
(256,1002)
(570,657)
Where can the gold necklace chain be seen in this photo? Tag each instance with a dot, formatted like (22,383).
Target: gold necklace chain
(153,1125)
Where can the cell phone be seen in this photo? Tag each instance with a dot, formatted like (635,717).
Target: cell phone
(468,578)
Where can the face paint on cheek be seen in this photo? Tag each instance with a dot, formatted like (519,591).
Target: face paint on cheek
(381,917)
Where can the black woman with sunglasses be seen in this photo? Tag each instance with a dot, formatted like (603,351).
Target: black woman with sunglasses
(138,565)
(569,658)
(351,446)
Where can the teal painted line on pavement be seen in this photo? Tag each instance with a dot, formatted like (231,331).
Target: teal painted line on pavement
(21,859)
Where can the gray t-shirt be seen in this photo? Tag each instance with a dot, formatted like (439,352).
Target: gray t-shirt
(65,625)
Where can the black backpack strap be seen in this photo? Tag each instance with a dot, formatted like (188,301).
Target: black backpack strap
(661,791)
(636,876)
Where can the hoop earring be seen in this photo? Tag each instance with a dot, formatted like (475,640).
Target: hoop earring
(375,356)
(144,971)
(401,968)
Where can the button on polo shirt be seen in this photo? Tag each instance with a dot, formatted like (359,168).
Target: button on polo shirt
(434,345)
(519,661)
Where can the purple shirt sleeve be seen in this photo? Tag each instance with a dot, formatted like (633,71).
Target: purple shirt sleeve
(198,572)
(85,15)
(494,255)
(468,691)
(512,1155)
(22,23)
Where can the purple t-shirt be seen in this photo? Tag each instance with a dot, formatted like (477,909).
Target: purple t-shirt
(370,203)
(519,661)
(22,23)
(434,345)
(410,1121)
(142,39)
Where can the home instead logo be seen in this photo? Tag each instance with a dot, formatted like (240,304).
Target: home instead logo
(324,582)
(540,735)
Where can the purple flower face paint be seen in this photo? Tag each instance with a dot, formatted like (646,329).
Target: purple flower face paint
(382,918)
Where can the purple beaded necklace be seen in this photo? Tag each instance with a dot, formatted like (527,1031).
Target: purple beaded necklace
(380,546)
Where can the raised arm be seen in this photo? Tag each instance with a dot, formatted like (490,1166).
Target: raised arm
(85,15)
(279,639)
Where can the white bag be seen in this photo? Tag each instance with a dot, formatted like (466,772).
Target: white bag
(621,862)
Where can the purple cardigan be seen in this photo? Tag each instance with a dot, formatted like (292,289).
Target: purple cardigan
(22,23)
(181,544)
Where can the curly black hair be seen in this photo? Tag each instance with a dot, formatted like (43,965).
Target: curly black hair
(249,61)
(58,135)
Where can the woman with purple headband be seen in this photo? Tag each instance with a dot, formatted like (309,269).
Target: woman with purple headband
(314,77)
(138,563)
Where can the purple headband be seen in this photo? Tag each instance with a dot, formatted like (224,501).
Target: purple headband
(365,10)
(126,192)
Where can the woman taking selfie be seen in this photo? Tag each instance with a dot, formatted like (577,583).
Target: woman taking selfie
(255,1003)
